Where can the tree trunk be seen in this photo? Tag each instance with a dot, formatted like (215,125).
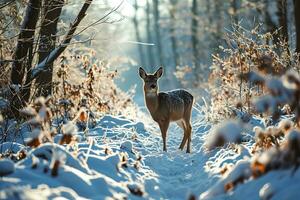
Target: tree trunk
(208,11)
(194,31)
(172,32)
(137,35)
(151,58)
(157,32)
(234,5)
(25,92)
(25,41)
(33,73)
(282,16)
(24,47)
(297,24)
(219,16)
(42,66)
(271,26)
(52,11)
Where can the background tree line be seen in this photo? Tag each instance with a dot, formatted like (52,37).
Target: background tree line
(180,35)
(186,33)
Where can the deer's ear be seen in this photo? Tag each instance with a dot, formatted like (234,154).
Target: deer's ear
(142,73)
(159,72)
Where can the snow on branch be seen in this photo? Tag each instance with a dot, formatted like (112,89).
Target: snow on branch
(57,51)
(42,66)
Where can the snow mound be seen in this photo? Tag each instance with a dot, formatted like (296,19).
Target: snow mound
(11,146)
(6,167)
(238,174)
(127,145)
(244,173)
(103,165)
(118,158)
(227,132)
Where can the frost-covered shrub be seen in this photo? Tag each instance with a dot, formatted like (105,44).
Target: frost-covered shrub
(39,117)
(12,150)
(283,91)
(285,156)
(69,130)
(83,90)
(224,133)
(275,147)
(234,80)
(84,83)
(279,145)
(238,175)
(257,78)
(265,139)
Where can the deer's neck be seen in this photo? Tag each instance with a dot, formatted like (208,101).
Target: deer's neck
(151,102)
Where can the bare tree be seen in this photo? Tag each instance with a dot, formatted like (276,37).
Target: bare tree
(270,24)
(194,31)
(151,58)
(25,41)
(157,31)
(24,48)
(282,16)
(172,12)
(208,10)
(234,6)
(218,15)
(52,10)
(137,34)
(53,55)
(297,24)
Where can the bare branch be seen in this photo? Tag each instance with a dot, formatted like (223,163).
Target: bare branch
(99,21)
(58,50)
(6,4)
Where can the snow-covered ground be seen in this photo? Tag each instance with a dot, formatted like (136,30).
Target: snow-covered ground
(121,158)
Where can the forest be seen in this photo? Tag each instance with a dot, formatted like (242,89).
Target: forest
(150,99)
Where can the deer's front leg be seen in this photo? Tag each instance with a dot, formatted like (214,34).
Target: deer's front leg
(164,125)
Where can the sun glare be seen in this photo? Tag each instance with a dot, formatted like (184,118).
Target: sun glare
(127,6)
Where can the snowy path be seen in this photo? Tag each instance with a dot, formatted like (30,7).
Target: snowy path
(178,174)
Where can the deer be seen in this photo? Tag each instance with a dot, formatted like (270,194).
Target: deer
(165,107)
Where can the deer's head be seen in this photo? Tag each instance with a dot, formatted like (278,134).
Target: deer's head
(150,80)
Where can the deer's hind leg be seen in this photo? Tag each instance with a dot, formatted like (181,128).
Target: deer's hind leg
(189,137)
(187,119)
(182,125)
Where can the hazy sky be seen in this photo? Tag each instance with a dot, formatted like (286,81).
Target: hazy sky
(127,8)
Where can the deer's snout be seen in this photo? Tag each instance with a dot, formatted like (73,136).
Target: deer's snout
(153,86)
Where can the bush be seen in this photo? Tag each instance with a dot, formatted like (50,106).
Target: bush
(83,91)
(236,75)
